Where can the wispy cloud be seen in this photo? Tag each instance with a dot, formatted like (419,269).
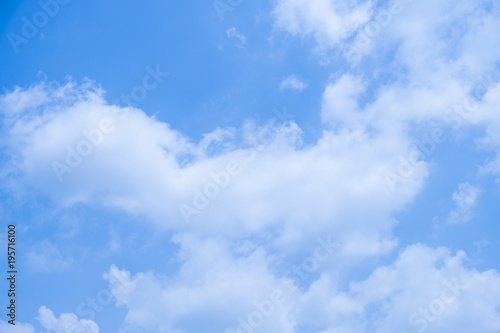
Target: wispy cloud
(234,33)
(293,83)
(46,257)
(465,200)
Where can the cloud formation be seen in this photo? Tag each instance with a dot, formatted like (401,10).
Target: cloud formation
(67,322)
(465,199)
(424,289)
(144,167)
(293,83)
(246,205)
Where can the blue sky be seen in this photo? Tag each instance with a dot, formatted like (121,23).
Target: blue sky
(288,165)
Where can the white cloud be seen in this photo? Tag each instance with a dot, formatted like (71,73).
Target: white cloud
(424,289)
(212,288)
(328,21)
(153,173)
(465,200)
(293,83)
(144,167)
(429,44)
(67,322)
(340,102)
(18,328)
(422,32)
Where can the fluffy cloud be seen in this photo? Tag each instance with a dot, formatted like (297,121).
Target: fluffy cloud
(427,51)
(425,289)
(78,149)
(213,287)
(365,156)
(328,21)
(67,322)
(18,328)
(418,63)
(420,33)
(261,185)
(340,102)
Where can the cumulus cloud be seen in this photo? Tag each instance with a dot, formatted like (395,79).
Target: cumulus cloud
(420,33)
(327,21)
(239,187)
(417,45)
(340,102)
(173,180)
(77,148)
(424,289)
(465,199)
(293,83)
(212,288)
(67,322)
(433,71)
(18,328)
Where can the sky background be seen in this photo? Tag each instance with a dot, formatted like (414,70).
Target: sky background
(343,155)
